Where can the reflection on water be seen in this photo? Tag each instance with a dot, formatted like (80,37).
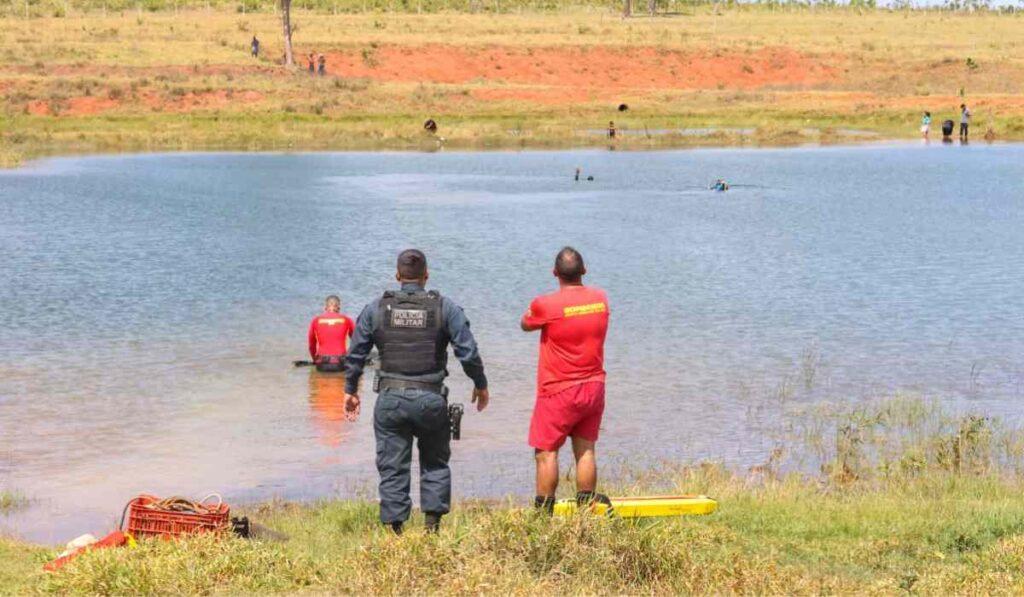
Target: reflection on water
(327,406)
(150,306)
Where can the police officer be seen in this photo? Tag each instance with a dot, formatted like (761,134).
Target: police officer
(412,329)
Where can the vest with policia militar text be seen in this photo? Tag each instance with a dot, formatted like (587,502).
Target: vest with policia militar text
(410,334)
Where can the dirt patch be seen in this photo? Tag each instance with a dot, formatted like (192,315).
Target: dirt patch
(583,67)
(546,96)
(201,100)
(186,102)
(84,105)
(137,72)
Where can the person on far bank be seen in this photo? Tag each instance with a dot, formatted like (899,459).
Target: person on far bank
(926,125)
(573,323)
(965,121)
(255,45)
(329,334)
(412,329)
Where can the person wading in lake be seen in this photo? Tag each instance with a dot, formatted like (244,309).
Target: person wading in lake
(412,329)
(570,377)
(329,333)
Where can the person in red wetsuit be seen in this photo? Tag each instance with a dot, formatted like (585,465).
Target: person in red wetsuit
(570,377)
(329,333)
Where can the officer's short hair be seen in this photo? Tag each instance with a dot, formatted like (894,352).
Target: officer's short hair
(333,298)
(569,264)
(412,264)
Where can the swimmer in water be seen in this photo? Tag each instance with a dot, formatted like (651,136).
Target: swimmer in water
(720,185)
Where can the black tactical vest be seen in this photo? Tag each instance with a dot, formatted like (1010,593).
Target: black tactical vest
(410,333)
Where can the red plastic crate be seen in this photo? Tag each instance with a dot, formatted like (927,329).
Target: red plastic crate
(147,522)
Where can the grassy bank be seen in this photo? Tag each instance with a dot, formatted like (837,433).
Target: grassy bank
(935,535)
(131,80)
(908,498)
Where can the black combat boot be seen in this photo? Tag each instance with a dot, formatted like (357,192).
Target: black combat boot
(585,498)
(432,521)
(544,503)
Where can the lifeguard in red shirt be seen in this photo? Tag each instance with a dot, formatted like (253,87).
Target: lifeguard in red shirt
(570,377)
(329,333)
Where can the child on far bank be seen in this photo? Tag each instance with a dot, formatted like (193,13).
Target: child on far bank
(926,124)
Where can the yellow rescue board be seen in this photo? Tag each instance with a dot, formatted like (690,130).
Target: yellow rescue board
(645,507)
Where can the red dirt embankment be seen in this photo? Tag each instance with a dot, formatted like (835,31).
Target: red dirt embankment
(604,68)
(187,102)
(543,75)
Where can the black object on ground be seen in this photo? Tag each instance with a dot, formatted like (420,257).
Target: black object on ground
(247,529)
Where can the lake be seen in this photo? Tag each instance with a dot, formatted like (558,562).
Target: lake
(151,305)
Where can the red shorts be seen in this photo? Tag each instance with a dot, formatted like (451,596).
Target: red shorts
(575,411)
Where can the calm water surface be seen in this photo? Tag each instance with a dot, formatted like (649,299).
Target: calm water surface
(150,305)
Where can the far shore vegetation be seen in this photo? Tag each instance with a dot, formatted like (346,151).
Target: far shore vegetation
(887,496)
(125,75)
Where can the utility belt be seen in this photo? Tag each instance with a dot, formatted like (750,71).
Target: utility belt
(330,363)
(389,383)
(455,410)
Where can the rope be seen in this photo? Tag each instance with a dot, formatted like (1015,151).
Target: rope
(177,504)
(185,505)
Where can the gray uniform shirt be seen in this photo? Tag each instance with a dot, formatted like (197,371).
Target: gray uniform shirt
(456,326)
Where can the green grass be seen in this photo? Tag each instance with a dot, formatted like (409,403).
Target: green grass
(934,535)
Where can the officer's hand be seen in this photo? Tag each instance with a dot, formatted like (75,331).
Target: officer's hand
(351,407)
(481,398)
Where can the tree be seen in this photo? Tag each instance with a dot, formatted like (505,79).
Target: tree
(652,6)
(286,21)
(627,8)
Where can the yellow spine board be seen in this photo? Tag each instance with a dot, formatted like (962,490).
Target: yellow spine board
(646,507)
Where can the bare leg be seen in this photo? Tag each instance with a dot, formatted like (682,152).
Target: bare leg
(547,472)
(586,464)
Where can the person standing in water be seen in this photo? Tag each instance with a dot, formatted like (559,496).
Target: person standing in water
(573,323)
(926,124)
(965,121)
(328,336)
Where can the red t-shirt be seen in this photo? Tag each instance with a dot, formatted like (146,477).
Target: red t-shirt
(329,334)
(574,323)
